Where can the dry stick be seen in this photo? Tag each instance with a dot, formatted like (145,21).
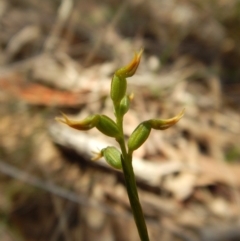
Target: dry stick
(148,172)
(69,34)
(62,214)
(64,11)
(15,173)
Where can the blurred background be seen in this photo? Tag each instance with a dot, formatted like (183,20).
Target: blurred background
(59,56)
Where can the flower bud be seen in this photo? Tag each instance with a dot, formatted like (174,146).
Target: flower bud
(139,136)
(124,104)
(131,68)
(113,156)
(118,89)
(165,123)
(82,125)
(107,126)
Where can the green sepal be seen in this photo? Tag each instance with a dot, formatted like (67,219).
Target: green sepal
(163,124)
(130,69)
(113,156)
(118,89)
(107,126)
(139,136)
(82,125)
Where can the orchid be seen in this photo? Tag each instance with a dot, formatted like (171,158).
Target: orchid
(123,159)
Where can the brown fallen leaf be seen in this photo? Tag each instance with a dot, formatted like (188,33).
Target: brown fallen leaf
(38,94)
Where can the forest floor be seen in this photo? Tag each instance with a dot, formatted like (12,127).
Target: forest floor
(59,56)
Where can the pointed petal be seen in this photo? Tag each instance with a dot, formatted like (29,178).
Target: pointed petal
(130,69)
(165,123)
(82,125)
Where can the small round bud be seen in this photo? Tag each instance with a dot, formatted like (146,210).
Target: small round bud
(139,136)
(113,156)
(124,105)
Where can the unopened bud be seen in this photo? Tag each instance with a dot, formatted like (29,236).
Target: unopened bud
(107,126)
(113,156)
(130,69)
(139,136)
(118,89)
(124,104)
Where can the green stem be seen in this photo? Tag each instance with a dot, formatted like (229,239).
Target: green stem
(131,184)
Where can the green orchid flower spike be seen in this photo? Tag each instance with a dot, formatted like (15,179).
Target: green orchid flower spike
(122,159)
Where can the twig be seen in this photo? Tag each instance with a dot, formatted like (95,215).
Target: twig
(64,11)
(108,28)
